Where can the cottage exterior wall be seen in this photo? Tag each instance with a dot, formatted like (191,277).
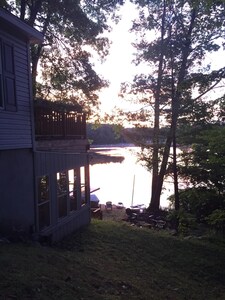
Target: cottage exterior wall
(17,191)
(20,163)
(16,126)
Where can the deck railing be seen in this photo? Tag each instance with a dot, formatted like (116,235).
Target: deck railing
(53,124)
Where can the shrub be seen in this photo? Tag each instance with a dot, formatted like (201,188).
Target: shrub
(200,202)
(182,221)
(217,220)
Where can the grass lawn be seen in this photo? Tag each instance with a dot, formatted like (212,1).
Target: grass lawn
(112,260)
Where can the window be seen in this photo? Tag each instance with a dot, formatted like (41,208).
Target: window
(7,77)
(62,192)
(43,202)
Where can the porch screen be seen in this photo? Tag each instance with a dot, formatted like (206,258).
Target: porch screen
(62,192)
(73,188)
(43,202)
(84,185)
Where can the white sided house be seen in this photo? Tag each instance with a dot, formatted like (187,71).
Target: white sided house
(44,181)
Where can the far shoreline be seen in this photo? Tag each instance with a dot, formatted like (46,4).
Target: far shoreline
(96,157)
(100,147)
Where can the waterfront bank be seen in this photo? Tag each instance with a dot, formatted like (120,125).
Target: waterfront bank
(122,180)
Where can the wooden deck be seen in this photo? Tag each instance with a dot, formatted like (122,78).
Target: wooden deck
(59,122)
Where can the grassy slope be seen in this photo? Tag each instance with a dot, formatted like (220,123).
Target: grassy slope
(110,260)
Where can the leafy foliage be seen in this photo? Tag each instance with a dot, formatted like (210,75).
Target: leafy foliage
(174,40)
(183,221)
(72,31)
(217,220)
(104,134)
(200,202)
(203,164)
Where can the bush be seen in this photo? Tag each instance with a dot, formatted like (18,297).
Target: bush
(217,220)
(200,202)
(182,221)
(187,223)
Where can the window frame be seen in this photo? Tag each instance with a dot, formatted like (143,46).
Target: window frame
(7,77)
(41,203)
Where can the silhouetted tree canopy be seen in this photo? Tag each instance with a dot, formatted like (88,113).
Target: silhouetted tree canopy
(72,32)
(174,40)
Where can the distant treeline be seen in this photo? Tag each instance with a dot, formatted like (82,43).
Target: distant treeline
(103,134)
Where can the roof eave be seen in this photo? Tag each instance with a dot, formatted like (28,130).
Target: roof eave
(33,35)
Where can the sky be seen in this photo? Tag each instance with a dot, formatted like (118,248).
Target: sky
(118,66)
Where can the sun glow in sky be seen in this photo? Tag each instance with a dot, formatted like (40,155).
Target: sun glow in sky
(118,66)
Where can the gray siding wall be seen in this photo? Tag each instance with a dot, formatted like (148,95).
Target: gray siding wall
(70,224)
(50,163)
(15,127)
(17,191)
(80,219)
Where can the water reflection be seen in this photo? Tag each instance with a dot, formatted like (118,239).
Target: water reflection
(126,181)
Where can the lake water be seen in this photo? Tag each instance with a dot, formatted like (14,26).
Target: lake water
(127,182)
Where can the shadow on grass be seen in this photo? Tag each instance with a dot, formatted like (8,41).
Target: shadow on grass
(111,260)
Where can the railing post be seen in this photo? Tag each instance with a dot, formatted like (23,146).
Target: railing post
(59,123)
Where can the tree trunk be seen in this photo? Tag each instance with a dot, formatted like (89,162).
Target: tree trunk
(176,191)
(36,53)
(163,166)
(35,8)
(22,9)
(173,90)
(154,203)
(175,109)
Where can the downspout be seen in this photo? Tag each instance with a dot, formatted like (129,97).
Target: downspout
(34,228)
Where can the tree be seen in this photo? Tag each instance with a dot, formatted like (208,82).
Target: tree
(72,31)
(203,165)
(184,33)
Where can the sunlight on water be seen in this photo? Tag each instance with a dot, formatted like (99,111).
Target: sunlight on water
(126,182)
